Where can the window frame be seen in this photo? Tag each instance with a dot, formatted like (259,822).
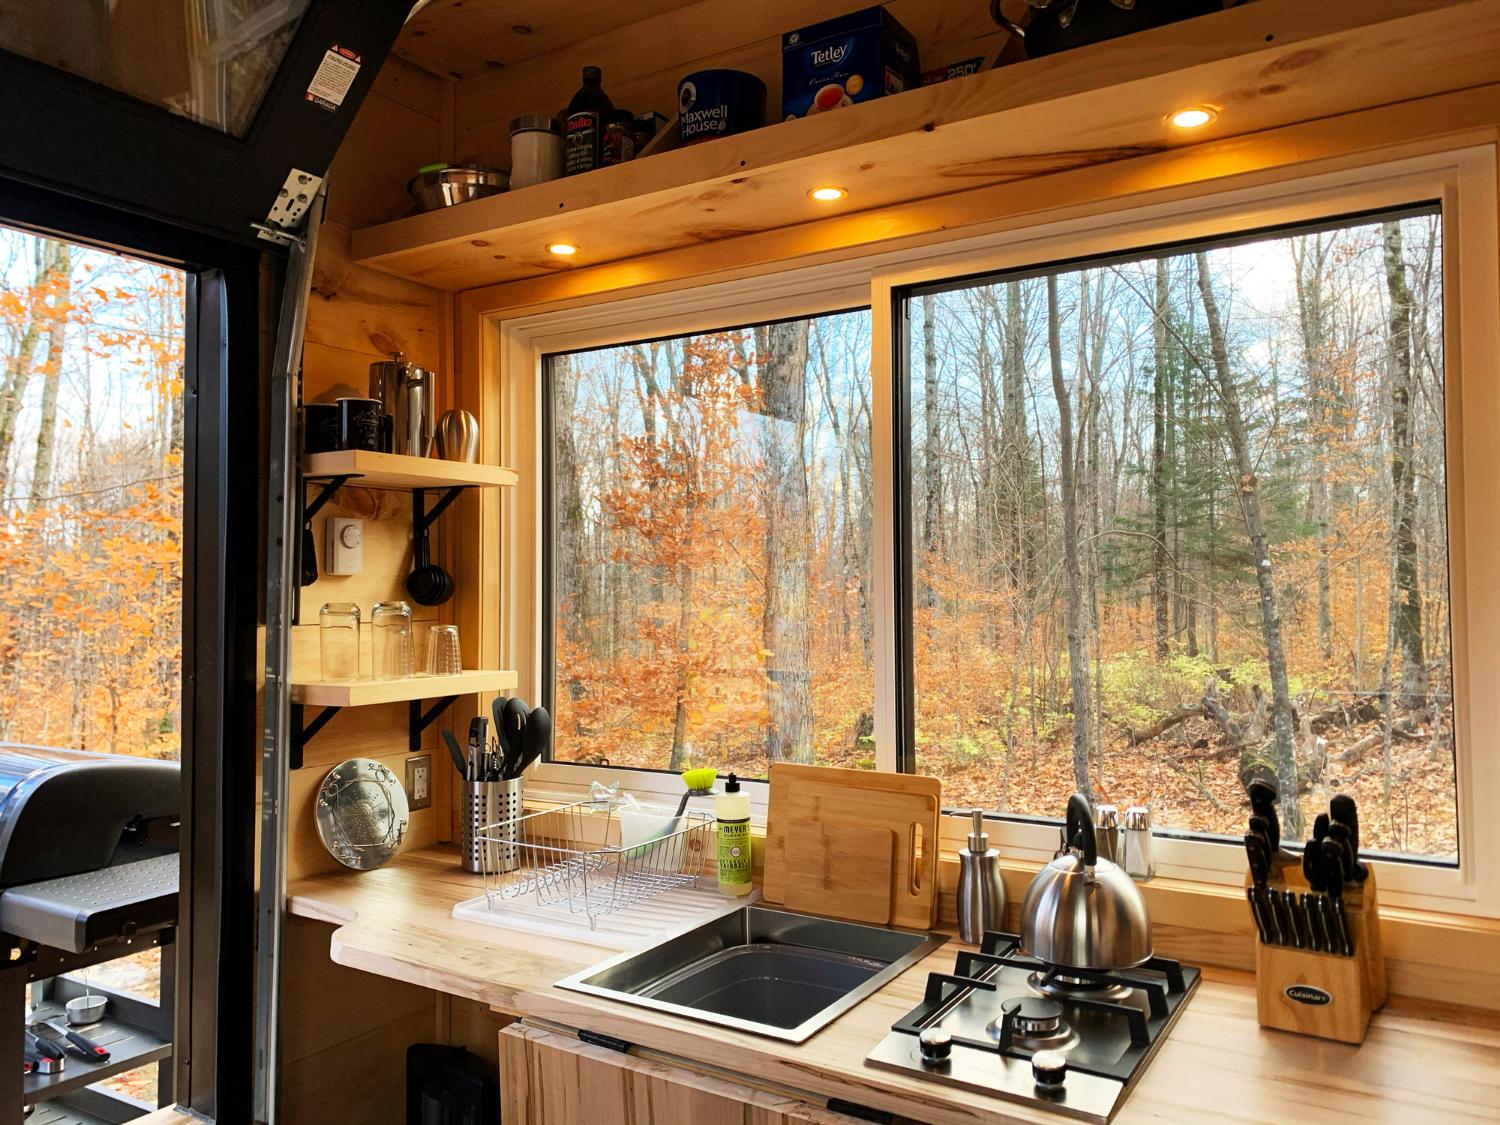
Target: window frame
(1463,180)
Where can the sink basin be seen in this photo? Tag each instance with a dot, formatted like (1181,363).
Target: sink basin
(767,971)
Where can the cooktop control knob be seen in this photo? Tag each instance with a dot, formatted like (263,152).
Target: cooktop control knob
(1049,1069)
(936,1045)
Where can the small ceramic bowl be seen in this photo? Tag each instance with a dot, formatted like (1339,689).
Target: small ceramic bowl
(86,1009)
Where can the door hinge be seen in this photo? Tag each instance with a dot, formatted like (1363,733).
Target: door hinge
(599,1039)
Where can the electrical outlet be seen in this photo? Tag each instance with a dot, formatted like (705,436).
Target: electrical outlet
(346,545)
(419,782)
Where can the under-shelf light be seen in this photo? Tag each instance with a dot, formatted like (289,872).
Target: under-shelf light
(1192,117)
(562,249)
(827,194)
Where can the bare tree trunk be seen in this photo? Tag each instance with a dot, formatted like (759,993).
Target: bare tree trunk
(932,473)
(783,359)
(1403,476)
(1309,256)
(61,269)
(1078,671)
(1249,493)
(1159,392)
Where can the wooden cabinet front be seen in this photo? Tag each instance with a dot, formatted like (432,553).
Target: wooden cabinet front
(551,1079)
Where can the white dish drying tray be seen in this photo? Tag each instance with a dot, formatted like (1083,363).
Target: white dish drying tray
(645,923)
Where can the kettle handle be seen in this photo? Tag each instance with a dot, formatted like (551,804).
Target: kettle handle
(1081,828)
(1002,20)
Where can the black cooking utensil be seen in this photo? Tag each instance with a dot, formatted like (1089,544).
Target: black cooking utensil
(1260,826)
(514,716)
(1344,811)
(1260,869)
(534,738)
(90,1049)
(1333,866)
(1312,864)
(427,583)
(1263,798)
(1340,832)
(456,754)
(479,741)
(49,1049)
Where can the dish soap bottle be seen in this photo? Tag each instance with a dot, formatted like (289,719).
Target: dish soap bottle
(732,811)
(583,124)
(981,894)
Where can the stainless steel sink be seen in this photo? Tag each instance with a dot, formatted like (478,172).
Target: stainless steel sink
(768,971)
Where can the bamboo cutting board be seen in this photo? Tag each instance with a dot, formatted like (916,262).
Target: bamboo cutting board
(826,833)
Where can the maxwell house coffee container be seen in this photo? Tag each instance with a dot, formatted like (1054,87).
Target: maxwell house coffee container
(716,103)
(842,61)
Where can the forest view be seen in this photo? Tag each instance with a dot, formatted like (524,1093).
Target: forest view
(91,357)
(1176,523)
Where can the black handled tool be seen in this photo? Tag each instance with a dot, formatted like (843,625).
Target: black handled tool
(1263,798)
(1320,827)
(1260,868)
(1340,833)
(1312,864)
(457,754)
(1317,932)
(1260,923)
(534,740)
(1333,868)
(513,720)
(90,1049)
(1344,811)
(51,1054)
(479,741)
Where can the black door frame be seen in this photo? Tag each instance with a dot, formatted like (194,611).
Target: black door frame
(221,591)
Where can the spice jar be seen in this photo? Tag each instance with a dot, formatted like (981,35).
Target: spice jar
(619,137)
(536,151)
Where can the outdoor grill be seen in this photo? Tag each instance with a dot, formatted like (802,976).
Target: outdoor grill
(88,873)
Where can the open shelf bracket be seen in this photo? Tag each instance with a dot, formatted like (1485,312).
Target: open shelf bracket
(302,733)
(421,519)
(325,494)
(419,720)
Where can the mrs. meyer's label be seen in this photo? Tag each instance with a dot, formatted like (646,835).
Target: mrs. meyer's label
(734,852)
(583,133)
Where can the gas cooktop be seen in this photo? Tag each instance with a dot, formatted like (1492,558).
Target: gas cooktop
(1006,1024)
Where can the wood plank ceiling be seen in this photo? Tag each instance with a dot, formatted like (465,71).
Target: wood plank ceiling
(464,38)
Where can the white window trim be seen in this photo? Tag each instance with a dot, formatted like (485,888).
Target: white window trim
(1464,179)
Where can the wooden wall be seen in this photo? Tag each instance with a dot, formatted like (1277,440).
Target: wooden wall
(346,1032)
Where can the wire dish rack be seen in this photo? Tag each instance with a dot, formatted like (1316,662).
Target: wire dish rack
(594,858)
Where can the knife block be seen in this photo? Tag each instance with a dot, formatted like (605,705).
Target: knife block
(1323,994)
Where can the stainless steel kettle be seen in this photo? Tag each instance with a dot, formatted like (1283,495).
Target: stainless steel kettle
(1084,912)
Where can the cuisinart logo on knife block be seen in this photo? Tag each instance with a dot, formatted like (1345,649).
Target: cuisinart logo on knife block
(1307,994)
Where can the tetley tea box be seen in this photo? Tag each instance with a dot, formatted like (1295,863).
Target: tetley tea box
(842,61)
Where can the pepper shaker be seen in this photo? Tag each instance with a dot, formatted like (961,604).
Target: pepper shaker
(1107,832)
(981,893)
(1139,861)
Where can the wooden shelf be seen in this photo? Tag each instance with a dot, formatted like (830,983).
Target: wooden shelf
(367,693)
(1264,65)
(392,470)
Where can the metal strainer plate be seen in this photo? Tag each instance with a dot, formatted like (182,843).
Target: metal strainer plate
(362,813)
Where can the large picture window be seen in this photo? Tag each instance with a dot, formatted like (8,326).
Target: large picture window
(710,528)
(1178,520)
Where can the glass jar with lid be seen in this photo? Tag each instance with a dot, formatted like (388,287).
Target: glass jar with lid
(536,151)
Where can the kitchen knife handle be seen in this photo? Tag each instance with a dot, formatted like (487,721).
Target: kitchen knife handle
(1260,924)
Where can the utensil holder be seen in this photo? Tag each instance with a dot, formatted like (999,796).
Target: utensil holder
(486,804)
(1324,994)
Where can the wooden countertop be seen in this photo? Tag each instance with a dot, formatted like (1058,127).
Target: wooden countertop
(1420,1062)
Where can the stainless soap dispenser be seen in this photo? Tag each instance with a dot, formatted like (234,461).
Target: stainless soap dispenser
(981,894)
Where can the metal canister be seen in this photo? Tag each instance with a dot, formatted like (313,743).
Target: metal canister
(405,392)
(1107,832)
(414,412)
(1139,862)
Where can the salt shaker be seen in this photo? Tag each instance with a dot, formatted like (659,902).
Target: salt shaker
(981,893)
(1136,839)
(1107,832)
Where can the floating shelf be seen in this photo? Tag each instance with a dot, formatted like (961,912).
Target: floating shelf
(1265,65)
(392,470)
(367,693)
(334,696)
